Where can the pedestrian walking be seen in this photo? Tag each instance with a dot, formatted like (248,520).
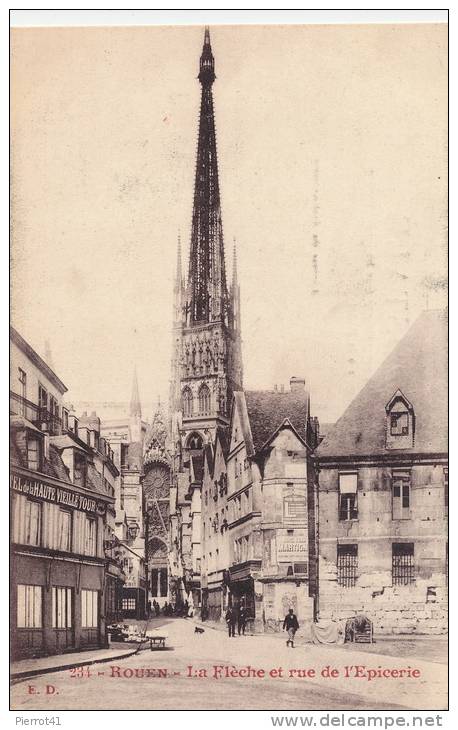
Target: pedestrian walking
(291,625)
(241,621)
(231,620)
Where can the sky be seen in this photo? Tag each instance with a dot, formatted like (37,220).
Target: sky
(332,149)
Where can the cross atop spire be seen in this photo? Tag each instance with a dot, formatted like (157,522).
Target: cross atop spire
(135,406)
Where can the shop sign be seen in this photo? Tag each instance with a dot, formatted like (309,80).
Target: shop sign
(49,493)
(291,549)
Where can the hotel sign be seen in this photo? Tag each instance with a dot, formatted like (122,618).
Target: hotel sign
(49,493)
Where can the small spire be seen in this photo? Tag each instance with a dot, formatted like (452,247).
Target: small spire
(135,406)
(207,36)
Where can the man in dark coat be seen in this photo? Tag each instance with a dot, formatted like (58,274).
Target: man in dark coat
(241,620)
(291,625)
(231,620)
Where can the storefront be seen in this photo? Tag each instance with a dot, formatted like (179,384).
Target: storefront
(58,565)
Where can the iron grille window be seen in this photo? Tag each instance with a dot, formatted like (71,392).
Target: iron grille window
(347,565)
(403,567)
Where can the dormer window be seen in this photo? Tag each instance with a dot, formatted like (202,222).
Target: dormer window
(33,452)
(79,470)
(400,422)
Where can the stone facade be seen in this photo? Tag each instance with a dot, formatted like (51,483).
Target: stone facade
(383,493)
(259,521)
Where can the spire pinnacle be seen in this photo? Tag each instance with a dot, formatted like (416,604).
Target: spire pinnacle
(135,406)
(207,62)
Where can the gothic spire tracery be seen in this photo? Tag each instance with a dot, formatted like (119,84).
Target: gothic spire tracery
(207,288)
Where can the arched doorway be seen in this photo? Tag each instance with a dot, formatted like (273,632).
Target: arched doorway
(156,492)
(158,571)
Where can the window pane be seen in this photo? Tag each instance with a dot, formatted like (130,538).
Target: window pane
(83,609)
(90,536)
(21,622)
(37,608)
(29,606)
(69,607)
(89,605)
(64,542)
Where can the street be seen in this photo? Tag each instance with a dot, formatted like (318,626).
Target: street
(212,671)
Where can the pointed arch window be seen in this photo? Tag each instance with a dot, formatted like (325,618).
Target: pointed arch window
(204,400)
(187,402)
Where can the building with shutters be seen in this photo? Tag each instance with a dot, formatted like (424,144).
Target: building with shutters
(66,580)
(259,510)
(126,434)
(383,492)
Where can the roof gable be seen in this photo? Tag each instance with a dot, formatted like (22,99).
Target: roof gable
(268,411)
(417,367)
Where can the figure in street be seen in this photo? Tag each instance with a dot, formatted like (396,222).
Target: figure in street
(291,625)
(241,621)
(231,620)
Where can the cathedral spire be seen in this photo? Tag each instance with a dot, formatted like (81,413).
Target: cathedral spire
(135,406)
(234,267)
(178,277)
(207,288)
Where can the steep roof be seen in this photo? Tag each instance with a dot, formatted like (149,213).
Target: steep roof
(197,467)
(267,411)
(418,367)
(208,457)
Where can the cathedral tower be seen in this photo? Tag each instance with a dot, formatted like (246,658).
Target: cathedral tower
(206,363)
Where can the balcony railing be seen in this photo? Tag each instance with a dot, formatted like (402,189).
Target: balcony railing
(39,416)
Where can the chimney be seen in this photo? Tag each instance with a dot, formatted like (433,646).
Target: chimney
(275,388)
(297,384)
(282,388)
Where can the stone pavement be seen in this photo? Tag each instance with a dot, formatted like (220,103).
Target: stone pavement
(427,648)
(427,691)
(44,665)
(209,671)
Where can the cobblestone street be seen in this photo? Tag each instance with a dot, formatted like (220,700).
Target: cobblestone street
(117,686)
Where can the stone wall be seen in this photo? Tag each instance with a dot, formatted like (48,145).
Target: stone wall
(419,607)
